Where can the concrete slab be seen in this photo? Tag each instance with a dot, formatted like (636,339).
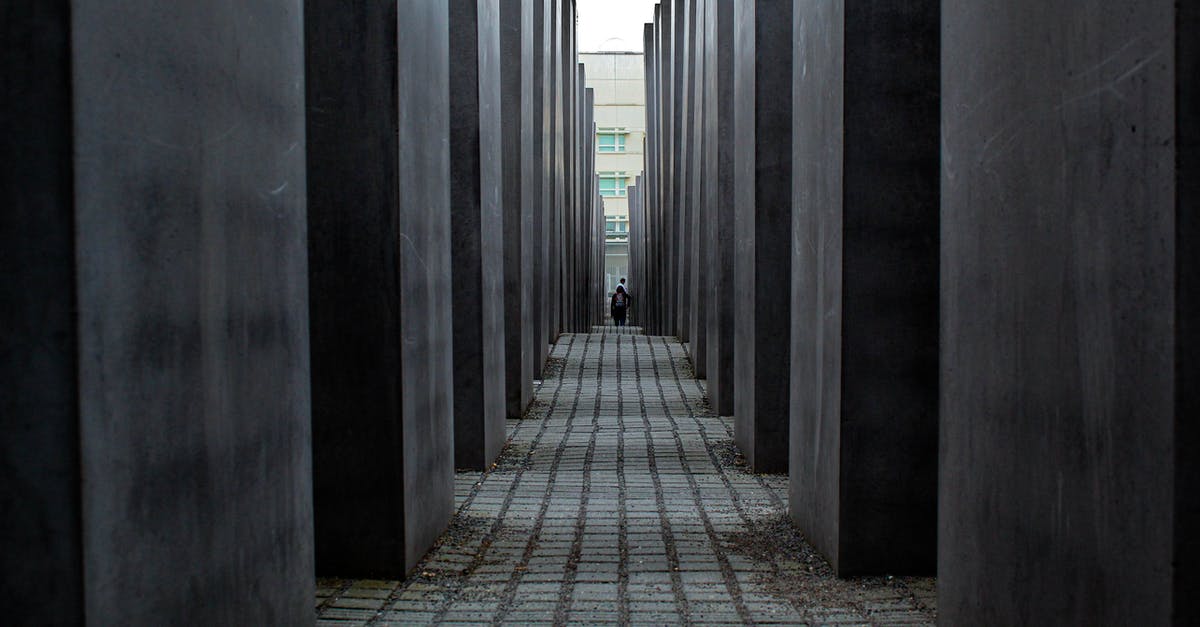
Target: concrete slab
(865,284)
(1062,325)
(696,279)
(719,197)
(379,283)
(517,118)
(155,330)
(477,231)
(762,104)
(39,341)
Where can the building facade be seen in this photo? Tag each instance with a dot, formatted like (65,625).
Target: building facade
(618,81)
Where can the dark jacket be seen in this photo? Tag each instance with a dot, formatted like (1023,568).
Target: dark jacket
(620,312)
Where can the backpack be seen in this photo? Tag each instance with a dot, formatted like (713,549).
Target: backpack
(619,302)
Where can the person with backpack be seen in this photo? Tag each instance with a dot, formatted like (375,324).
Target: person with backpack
(620,306)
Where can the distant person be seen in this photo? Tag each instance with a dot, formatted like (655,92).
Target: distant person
(620,306)
(622,284)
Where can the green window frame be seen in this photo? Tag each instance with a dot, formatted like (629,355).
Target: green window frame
(613,184)
(610,141)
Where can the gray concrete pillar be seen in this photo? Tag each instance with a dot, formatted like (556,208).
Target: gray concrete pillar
(697,216)
(558,112)
(762,78)
(719,207)
(539,174)
(379,275)
(669,229)
(651,282)
(516,117)
(39,335)
(864,328)
(1067,489)
(680,45)
(155,354)
(477,223)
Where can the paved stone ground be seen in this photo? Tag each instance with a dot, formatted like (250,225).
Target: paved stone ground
(621,499)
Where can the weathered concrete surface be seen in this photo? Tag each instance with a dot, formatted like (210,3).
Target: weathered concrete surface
(669,227)
(762,104)
(1066,306)
(865,284)
(541,92)
(516,119)
(191,353)
(379,284)
(477,224)
(680,70)
(40,540)
(719,222)
(1187,314)
(696,279)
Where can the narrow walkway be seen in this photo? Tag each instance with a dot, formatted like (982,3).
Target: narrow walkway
(621,499)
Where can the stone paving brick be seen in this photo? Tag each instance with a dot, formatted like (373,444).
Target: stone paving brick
(620,499)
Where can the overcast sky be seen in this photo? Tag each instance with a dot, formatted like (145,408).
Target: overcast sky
(611,25)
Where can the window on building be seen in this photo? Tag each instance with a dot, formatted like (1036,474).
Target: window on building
(613,184)
(610,141)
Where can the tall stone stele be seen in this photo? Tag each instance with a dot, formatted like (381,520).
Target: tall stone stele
(864,343)
(762,104)
(477,232)
(1070,309)
(155,457)
(379,244)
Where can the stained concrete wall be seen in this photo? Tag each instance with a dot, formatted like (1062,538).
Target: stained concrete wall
(41,548)
(155,336)
(379,284)
(670,226)
(1068,312)
(695,280)
(516,117)
(719,221)
(193,349)
(680,202)
(477,223)
(762,74)
(540,175)
(864,322)
(1187,314)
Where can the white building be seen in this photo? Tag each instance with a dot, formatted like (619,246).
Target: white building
(618,81)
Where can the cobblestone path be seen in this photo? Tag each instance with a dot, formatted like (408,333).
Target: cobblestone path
(621,499)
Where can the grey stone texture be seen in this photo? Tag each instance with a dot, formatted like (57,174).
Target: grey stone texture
(41,548)
(650,277)
(1187,314)
(379,283)
(540,174)
(762,105)
(679,205)
(1067,487)
(669,230)
(155,349)
(695,279)
(477,232)
(864,328)
(516,115)
(719,209)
